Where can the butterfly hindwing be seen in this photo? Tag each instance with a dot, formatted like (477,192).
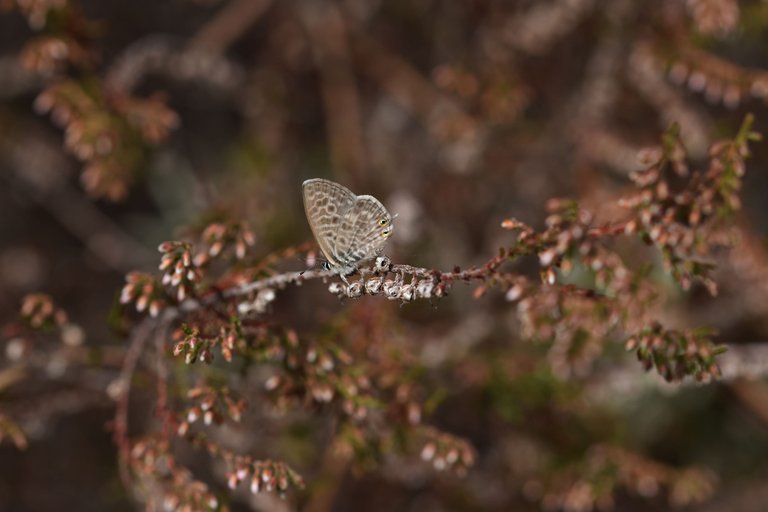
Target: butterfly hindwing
(364,230)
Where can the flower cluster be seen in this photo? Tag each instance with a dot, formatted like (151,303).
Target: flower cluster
(195,347)
(49,55)
(447,452)
(176,489)
(144,292)
(717,79)
(593,482)
(320,374)
(39,315)
(676,354)
(392,289)
(212,406)
(262,476)
(217,238)
(106,129)
(680,223)
(170,486)
(714,17)
(180,270)
(39,312)
(101,129)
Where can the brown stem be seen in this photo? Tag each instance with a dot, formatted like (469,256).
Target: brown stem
(229,24)
(120,426)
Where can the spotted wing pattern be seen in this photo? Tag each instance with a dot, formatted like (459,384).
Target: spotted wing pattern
(363,232)
(324,204)
(349,228)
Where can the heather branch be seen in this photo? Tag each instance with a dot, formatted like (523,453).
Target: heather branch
(226,312)
(677,222)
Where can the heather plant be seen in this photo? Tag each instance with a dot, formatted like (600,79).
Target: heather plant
(363,386)
(568,315)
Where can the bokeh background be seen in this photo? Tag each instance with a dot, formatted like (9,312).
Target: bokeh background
(124,123)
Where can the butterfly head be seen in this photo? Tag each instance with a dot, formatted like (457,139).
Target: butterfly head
(386,223)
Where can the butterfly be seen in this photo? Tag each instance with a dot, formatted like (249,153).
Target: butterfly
(349,229)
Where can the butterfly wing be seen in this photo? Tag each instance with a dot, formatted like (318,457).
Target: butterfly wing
(325,204)
(364,230)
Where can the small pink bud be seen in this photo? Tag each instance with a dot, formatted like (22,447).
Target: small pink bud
(193,414)
(514,293)
(126,293)
(215,249)
(141,303)
(547,257)
(428,452)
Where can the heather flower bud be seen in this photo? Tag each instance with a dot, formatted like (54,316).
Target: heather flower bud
(255,484)
(326,362)
(127,292)
(382,264)
(215,249)
(424,288)
(391,289)
(428,451)
(355,289)
(141,303)
(547,257)
(167,246)
(272,383)
(337,288)
(240,249)
(154,308)
(372,286)
(193,414)
(514,293)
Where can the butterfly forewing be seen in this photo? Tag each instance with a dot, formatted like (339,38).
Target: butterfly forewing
(325,202)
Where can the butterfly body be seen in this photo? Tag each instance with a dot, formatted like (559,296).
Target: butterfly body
(349,229)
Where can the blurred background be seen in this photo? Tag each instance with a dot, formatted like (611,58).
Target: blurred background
(122,124)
